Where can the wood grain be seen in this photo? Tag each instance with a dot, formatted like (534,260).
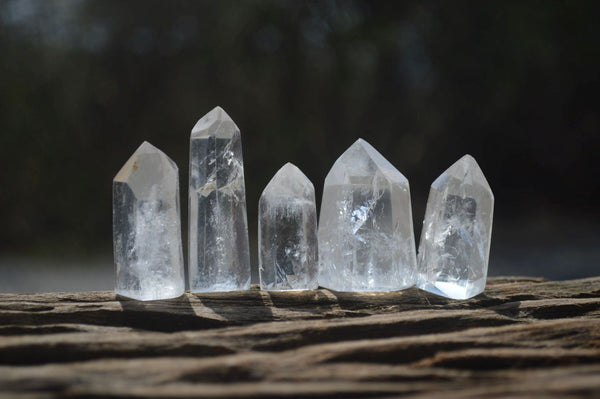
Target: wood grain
(523,338)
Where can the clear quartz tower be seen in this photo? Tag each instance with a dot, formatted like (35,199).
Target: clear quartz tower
(457,230)
(287,232)
(366,239)
(147,227)
(219,257)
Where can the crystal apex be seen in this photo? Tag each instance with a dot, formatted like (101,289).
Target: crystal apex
(131,165)
(465,169)
(146,147)
(211,124)
(290,181)
(348,161)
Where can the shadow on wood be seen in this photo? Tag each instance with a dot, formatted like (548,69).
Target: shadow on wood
(523,337)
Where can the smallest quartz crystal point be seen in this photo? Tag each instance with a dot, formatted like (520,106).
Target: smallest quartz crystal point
(146,227)
(457,230)
(287,228)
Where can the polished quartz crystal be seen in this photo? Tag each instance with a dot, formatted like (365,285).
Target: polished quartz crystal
(287,232)
(366,240)
(219,258)
(455,241)
(147,228)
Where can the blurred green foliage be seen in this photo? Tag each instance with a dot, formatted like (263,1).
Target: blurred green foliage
(83,83)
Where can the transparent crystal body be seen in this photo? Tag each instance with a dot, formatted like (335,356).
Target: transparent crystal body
(457,231)
(219,257)
(366,239)
(147,228)
(287,232)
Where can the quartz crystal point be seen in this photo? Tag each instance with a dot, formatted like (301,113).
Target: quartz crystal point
(287,232)
(147,227)
(219,257)
(455,241)
(366,240)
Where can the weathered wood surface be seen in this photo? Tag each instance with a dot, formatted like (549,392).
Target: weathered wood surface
(523,337)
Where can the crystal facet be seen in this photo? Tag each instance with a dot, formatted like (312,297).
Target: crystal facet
(219,257)
(457,230)
(366,240)
(287,232)
(147,227)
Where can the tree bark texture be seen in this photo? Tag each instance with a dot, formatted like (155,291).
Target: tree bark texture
(523,338)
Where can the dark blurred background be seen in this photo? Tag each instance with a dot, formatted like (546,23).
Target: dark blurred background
(83,83)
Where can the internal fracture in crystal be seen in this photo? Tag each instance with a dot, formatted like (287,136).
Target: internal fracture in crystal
(457,230)
(287,232)
(219,257)
(366,240)
(147,228)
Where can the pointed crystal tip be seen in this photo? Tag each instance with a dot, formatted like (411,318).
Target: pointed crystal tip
(467,162)
(217,122)
(146,148)
(147,165)
(290,181)
(133,163)
(362,159)
(467,170)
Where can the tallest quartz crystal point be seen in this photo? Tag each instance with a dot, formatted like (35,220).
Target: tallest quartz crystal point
(219,258)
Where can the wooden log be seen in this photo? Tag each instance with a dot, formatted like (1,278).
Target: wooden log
(523,337)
